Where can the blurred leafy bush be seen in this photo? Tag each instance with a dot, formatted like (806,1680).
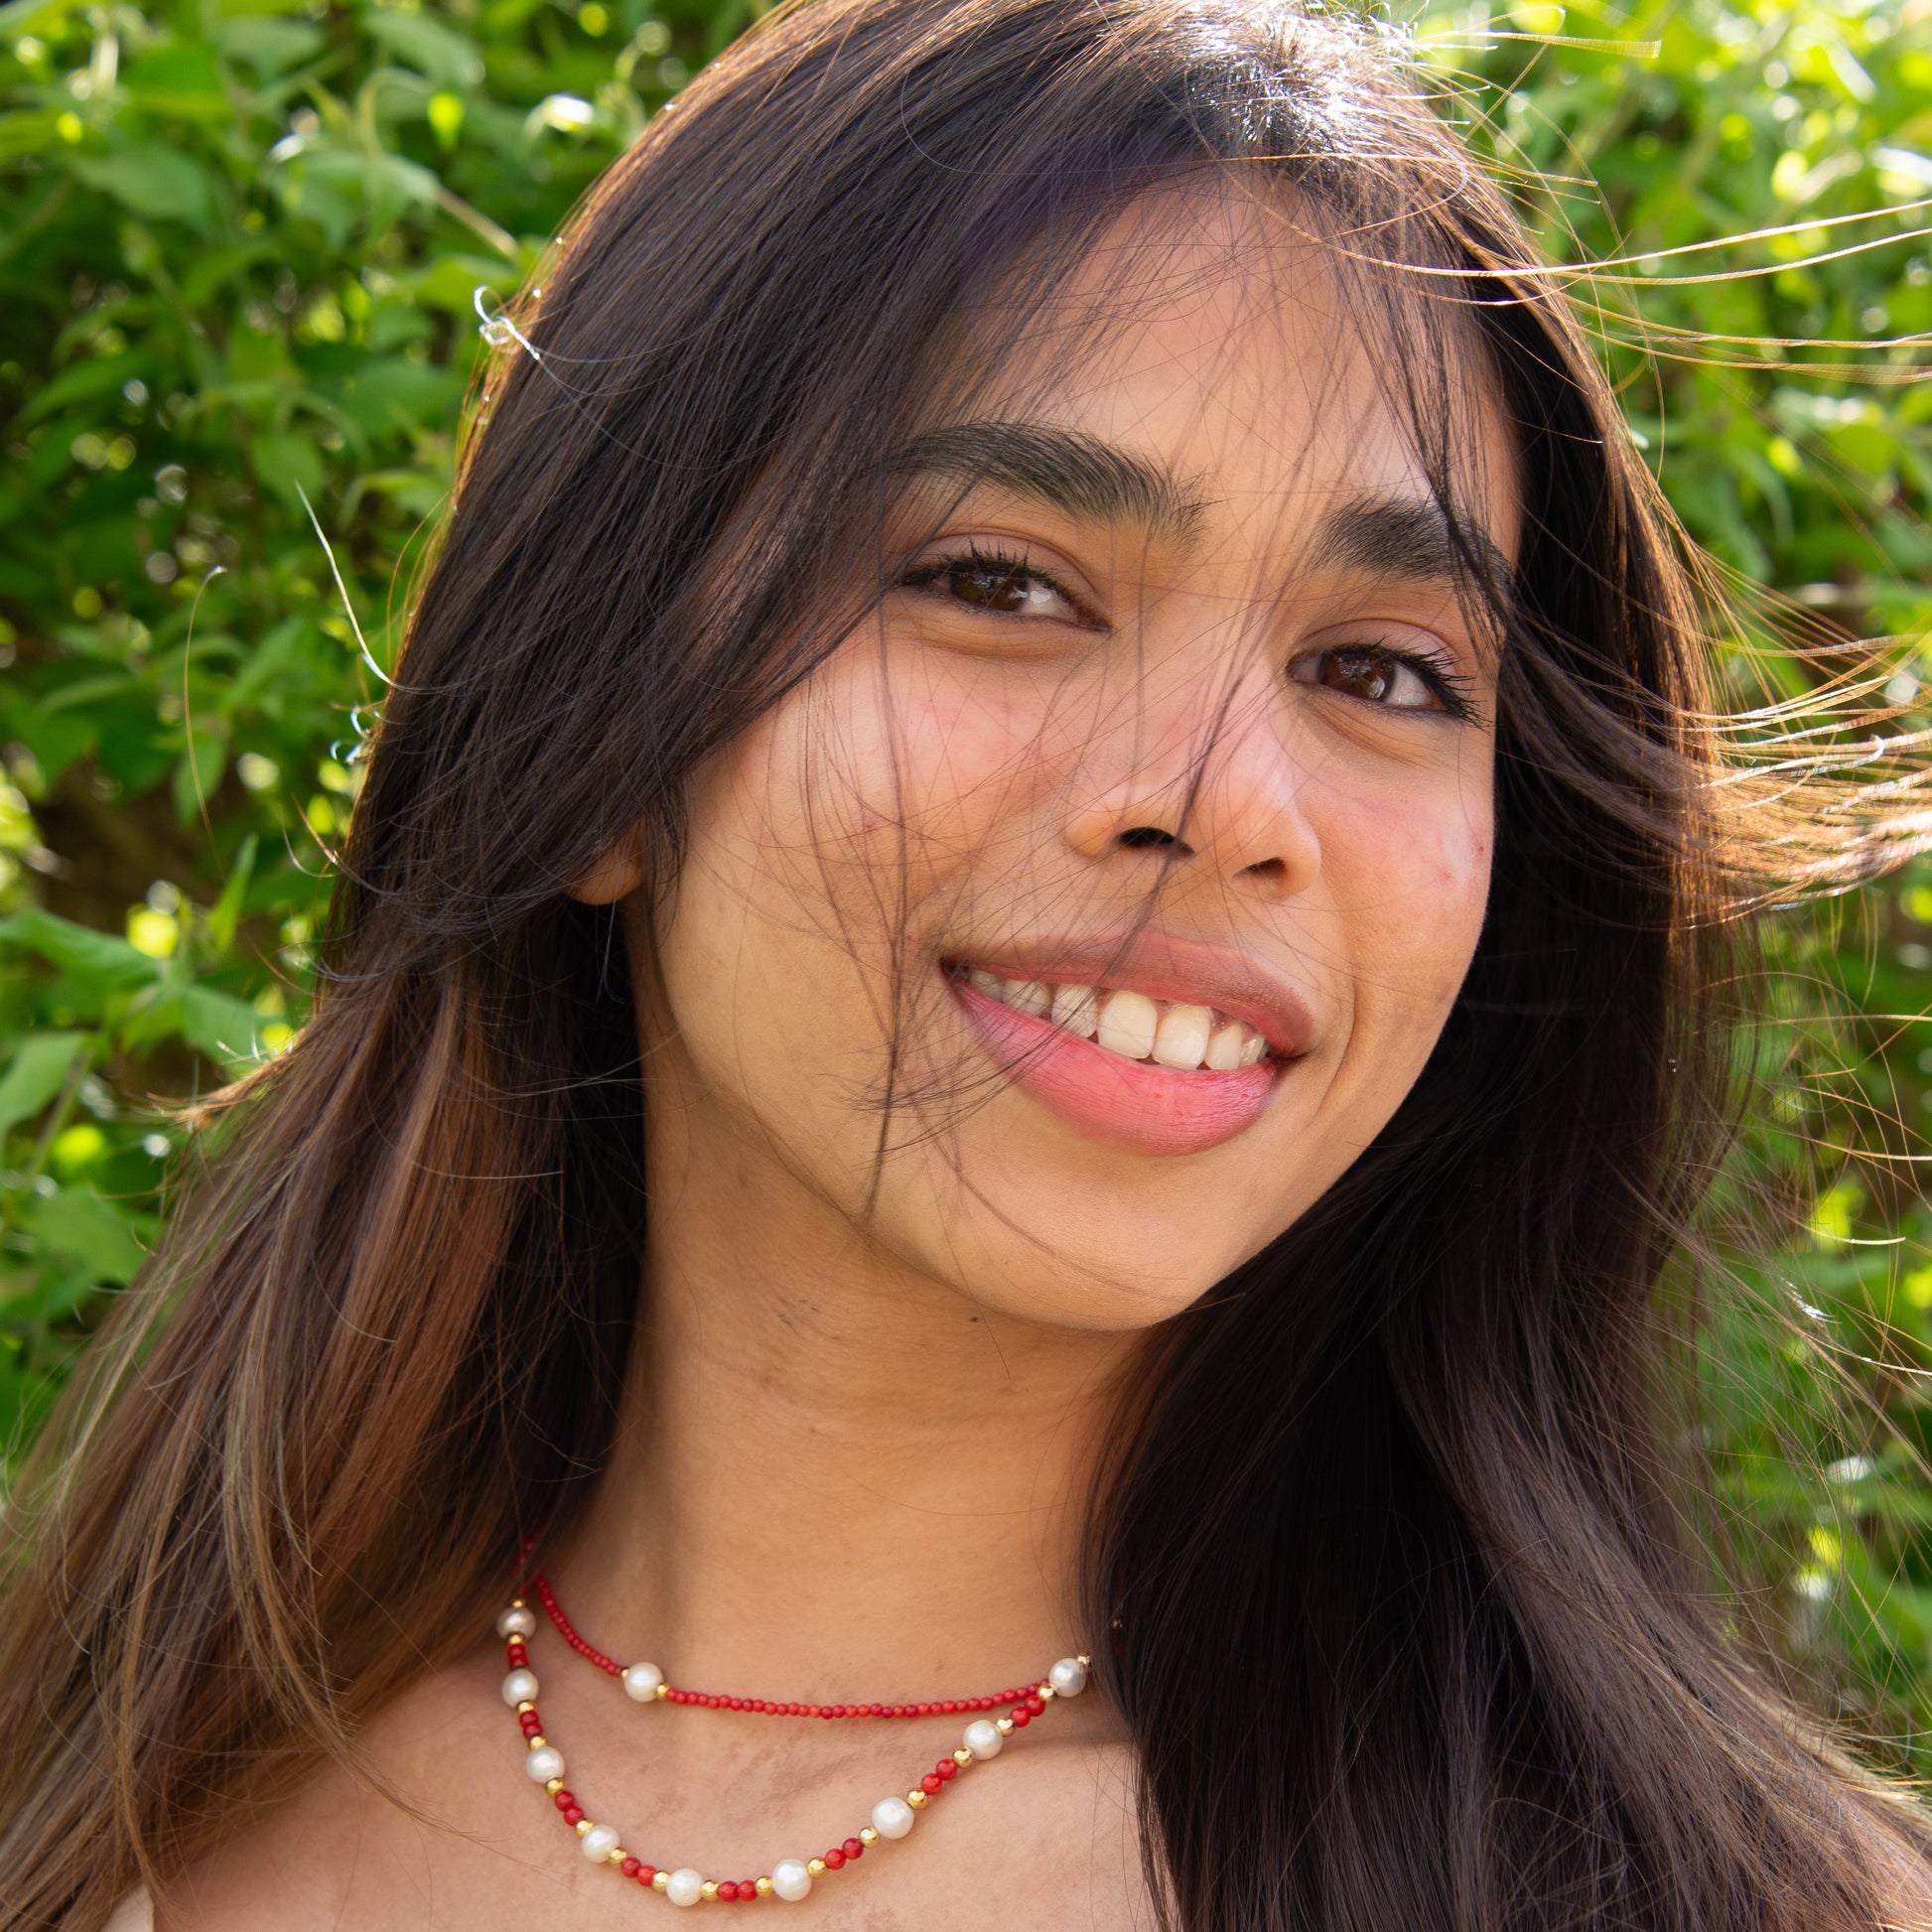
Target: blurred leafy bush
(242,247)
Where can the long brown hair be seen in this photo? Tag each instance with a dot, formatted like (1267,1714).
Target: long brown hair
(1406,1478)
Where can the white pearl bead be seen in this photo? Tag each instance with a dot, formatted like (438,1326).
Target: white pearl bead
(517,1622)
(599,1842)
(1068,1677)
(790,1879)
(983,1739)
(641,1681)
(891,1818)
(686,1886)
(520,1687)
(544,1763)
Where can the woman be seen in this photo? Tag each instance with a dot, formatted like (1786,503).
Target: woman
(1026,973)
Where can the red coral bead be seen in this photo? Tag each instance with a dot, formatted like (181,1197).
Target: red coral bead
(728,1891)
(834,1858)
(854,1847)
(1022,1716)
(929,1784)
(1038,1706)
(564,1800)
(645,1873)
(630,1867)
(947,1769)
(574,1815)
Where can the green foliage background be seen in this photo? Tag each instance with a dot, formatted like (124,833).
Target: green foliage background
(240,245)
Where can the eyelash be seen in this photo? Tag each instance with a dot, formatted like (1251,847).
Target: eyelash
(1451,689)
(994,563)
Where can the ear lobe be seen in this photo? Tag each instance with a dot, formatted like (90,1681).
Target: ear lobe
(617,875)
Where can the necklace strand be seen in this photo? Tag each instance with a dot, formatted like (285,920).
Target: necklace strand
(789,1878)
(644,1682)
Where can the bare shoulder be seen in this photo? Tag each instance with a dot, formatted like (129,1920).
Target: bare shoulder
(404,1840)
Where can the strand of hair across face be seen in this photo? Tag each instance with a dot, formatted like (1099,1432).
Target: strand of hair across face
(714,1700)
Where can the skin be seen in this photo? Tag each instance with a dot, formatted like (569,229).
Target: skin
(866,1413)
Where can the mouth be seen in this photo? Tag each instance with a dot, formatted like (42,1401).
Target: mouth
(1175,1063)
(1173,1033)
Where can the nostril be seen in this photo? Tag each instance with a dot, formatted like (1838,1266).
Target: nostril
(1141,836)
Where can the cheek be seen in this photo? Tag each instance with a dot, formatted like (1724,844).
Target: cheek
(936,764)
(1410,867)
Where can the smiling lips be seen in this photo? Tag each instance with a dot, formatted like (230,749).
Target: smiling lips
(1170,1034)
(1120,1066)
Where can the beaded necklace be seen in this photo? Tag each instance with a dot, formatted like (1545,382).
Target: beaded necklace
(790,1878)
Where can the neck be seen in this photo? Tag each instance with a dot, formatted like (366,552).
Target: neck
(835,1478)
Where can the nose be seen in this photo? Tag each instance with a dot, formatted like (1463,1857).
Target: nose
(1224,796)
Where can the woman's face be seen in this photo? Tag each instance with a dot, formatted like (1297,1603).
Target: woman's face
(1094,905)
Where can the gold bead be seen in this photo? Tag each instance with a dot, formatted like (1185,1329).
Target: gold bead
(582,1826)
(762,1886)
(537,1740)
(963,1756)
(619,1854)
(1083,1660)
(1004,1725)
(517,1604)
(524,1709)
(816,1867)
(866,1835)
(554,1785)
(1046,1693)
(915,1798)
(659,1881)
(709,1889)
(663,1690)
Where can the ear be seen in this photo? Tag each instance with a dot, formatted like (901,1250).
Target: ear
(617,875)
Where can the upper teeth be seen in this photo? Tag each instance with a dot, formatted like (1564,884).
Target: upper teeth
(1132,1025)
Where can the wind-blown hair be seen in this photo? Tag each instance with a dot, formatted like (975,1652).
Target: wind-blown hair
(1388,1570)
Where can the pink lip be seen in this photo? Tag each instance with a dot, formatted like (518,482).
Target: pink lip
(1138,1104)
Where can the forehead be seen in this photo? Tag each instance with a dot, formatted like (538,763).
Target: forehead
(1211,329)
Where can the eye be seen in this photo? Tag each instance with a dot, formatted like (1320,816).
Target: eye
(1375,674)
(1006,586)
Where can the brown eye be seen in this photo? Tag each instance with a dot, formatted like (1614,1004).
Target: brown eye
(1373,675)
(995,589)
(1005,585)
(1366,674)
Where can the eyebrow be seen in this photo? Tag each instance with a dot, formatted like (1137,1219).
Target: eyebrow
(1062,467)
(1403,538)
(1409,538)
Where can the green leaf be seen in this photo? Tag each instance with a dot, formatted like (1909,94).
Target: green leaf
(199,773)
(98,959)
(36,1072)
(179,81)
(290,464)
(153,180)
(221,1026)
(22,17)
(76,1222)
(270,46)
(36,130)
(425,44)
(228,908)
(98,375)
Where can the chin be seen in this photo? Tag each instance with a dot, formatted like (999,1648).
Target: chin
(1086,1245)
